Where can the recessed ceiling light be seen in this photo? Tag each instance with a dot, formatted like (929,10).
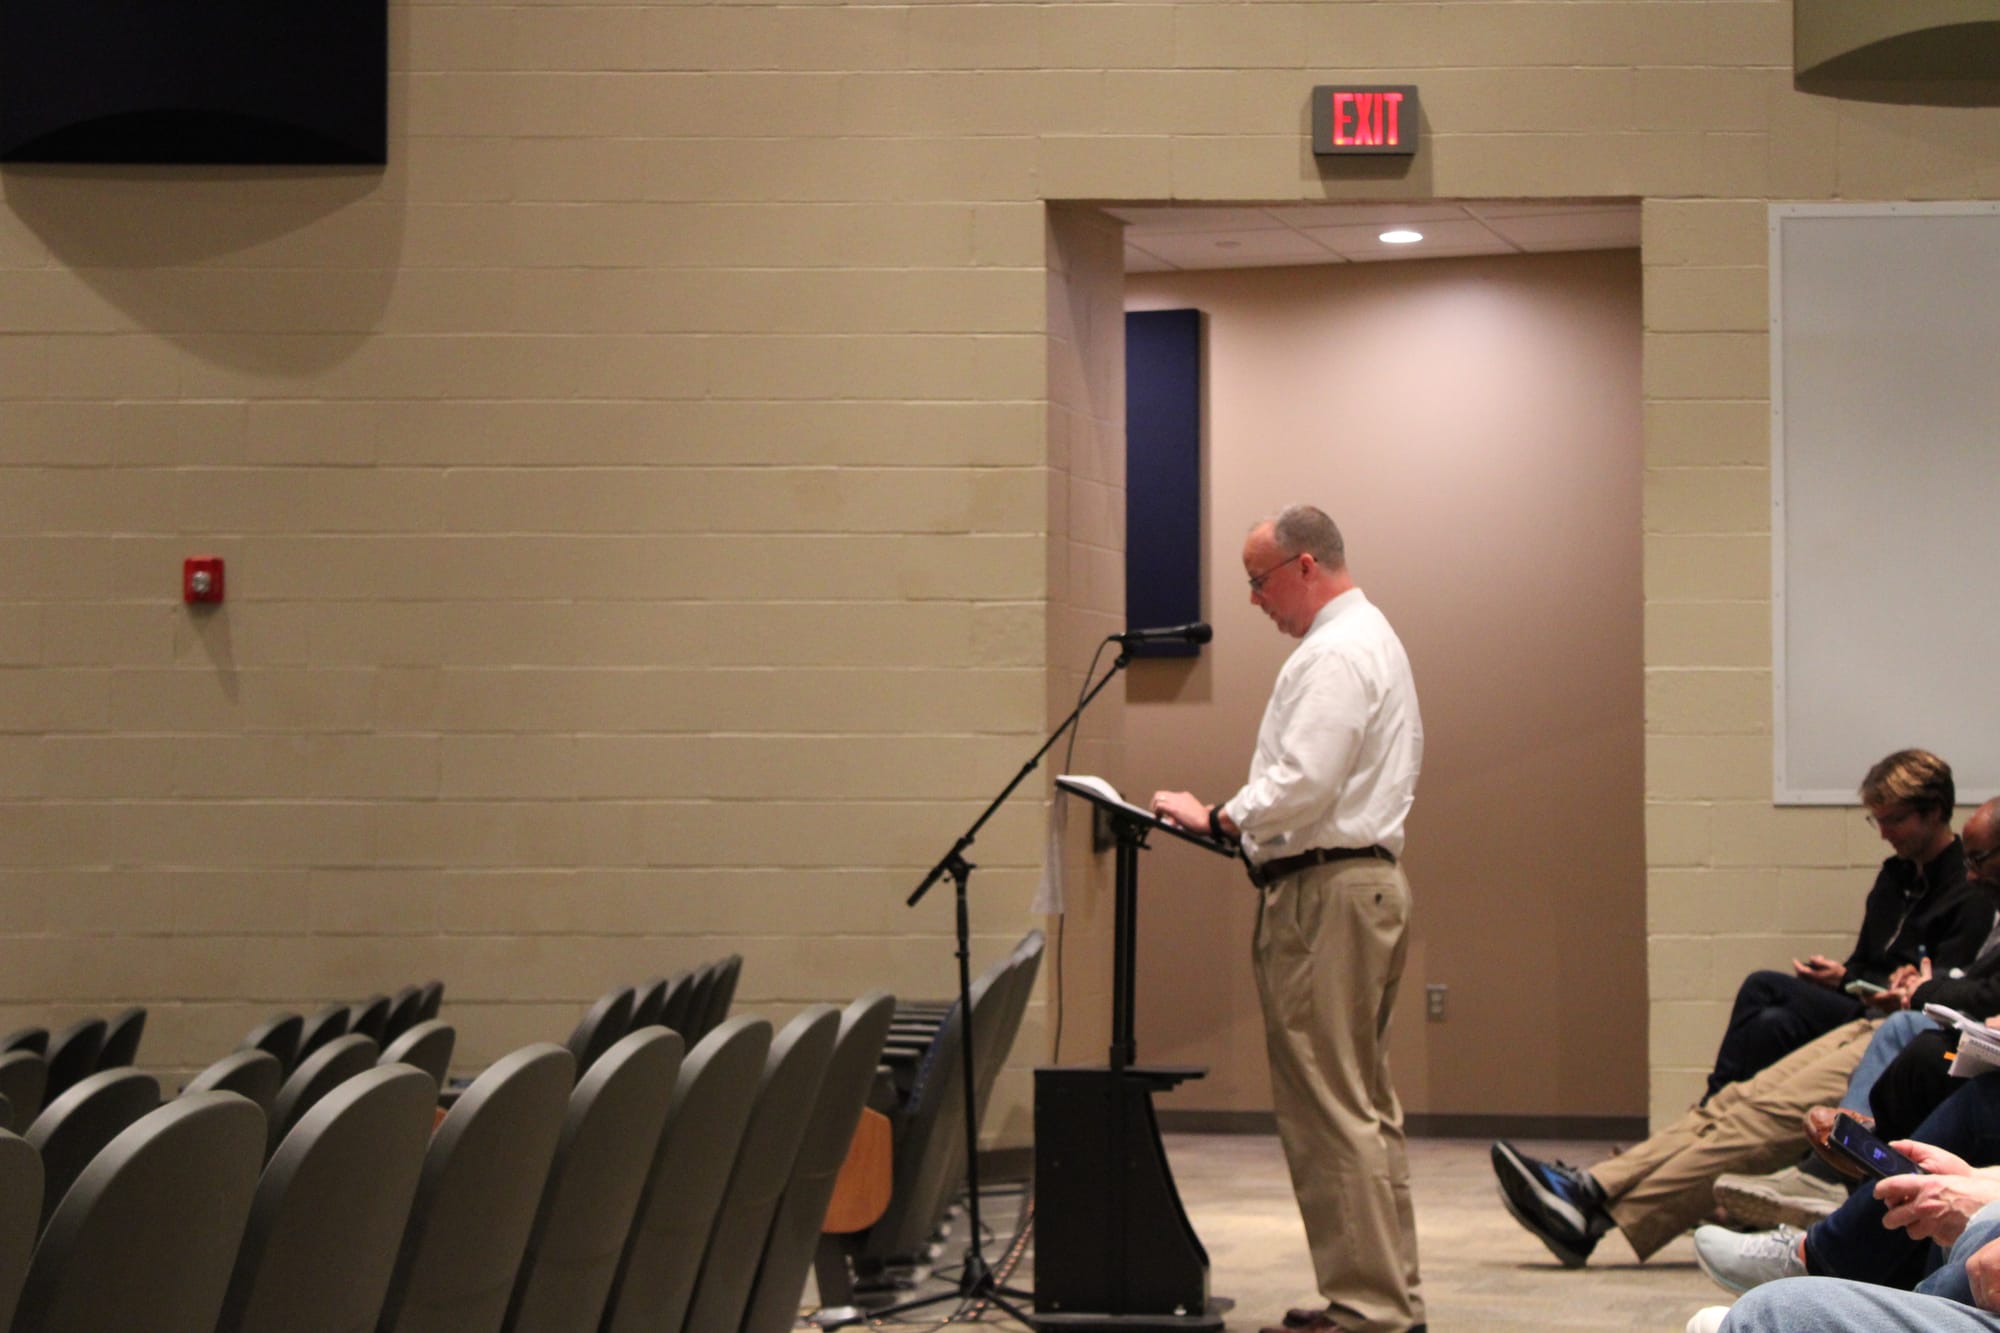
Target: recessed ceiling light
(1401,236)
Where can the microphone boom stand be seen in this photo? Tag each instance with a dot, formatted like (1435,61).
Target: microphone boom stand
(976,1281)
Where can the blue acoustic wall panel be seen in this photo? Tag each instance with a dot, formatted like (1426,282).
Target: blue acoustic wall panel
(1163,474)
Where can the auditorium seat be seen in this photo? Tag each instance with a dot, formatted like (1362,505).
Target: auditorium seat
(607,1020)
(652,1000)
(786,1095)
(329,1209)
(716,1005)
(432,997)
(279,1035)
(427,1046)
(26,1039)
(73,1055)
(255,1075)
(793,1236)
(24,1078)
(476,1198)
(370,1018)
(403,1007)
(74,1128)
(148,1234)
(930,1125)
(610,1132)
(680,994)
(317,1075)
(20,1216)
(713,1094)
(121,1039)
(327,1025)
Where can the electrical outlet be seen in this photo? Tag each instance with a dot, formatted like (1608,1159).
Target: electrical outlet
(1434,1002)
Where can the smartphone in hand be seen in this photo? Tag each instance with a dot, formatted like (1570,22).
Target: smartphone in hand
(1858,1142)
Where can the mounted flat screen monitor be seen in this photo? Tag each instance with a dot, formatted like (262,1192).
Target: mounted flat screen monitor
(1885,482)
(194,81)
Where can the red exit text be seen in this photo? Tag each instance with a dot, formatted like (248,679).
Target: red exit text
(1365,120)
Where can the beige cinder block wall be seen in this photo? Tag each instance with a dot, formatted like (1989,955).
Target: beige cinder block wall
(638,496)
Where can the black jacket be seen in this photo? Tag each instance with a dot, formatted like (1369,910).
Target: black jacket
(1928,908)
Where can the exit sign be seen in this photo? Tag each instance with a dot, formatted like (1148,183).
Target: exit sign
(1375,119)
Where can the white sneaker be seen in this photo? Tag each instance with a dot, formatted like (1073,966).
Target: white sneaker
(1708,1320)
(1789,1198)
(1739,1260)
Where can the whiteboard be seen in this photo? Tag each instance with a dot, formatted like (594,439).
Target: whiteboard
(1885,492)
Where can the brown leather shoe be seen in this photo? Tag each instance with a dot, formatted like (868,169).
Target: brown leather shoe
(1819,1123)
(1309,1321)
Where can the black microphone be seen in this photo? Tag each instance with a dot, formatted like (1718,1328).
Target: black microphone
(1198,632)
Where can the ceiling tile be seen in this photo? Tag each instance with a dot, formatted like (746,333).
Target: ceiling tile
(1149,220)
(1462,236)
(1236,249)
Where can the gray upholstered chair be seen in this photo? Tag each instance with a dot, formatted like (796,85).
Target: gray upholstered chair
(674,1010)
(254,1074)
(146,1237)
(930,1127)
(370,1018)
(694,1024)
(20,1216)
(34,1039)
(609,1136)
(73,1055)
(431,995)
(476,1199)
(317,1075)
(773,1303)
(652,1000)
(403,1007)
(601,1027)
(74,1128)
(327,1025)
(713,1097)
(24,1077)
(786,1095)
(329,1210)
(121,1039)
(426,1046)
(715,1001)
(279,1036)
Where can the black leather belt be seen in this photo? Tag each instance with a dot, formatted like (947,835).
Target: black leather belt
(1270,872)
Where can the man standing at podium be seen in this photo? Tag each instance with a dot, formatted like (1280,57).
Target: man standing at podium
(1321,822)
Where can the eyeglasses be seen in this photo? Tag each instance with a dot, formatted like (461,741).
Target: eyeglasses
(1257,580)
(1977,859)
(1902,816)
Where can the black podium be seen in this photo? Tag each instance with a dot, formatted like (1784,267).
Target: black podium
(1113,1246)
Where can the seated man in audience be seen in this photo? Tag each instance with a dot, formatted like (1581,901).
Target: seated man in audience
(1659,1188)
(1906,1071)
(1954,1204)
(1917,905)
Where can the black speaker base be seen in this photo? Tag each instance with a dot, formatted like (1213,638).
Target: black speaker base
(1208,1321)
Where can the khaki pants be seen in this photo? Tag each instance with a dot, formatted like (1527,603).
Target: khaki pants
(1660,1188)
(1329,952)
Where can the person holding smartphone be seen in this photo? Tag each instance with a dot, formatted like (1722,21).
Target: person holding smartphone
(1948,1202)
(1918,916)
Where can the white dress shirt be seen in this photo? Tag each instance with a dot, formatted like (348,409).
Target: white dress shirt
(1341,741)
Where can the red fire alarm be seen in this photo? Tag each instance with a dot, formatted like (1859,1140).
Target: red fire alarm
(201,579)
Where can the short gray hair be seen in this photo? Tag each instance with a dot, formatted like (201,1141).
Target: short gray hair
(1304,530)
